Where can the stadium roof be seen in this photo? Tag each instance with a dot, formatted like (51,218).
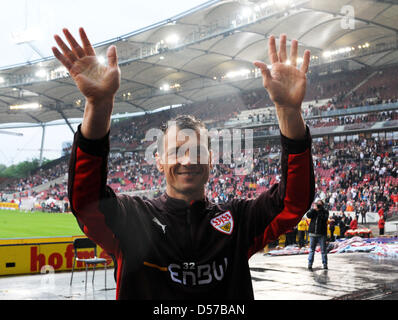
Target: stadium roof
(208,52)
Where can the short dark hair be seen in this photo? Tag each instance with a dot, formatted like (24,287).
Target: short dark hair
(181,122)
(184,122)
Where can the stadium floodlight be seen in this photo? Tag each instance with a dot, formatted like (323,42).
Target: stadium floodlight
(328,54)
(246,12)
(41,73)
(28,106)
(165,87)
(101,60)
(172,39)
(239,73)
(161,58)
(59,72)
(2,80)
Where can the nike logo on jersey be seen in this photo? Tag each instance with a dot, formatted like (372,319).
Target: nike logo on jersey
(223,223)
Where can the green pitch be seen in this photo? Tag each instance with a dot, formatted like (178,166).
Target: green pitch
(18,224)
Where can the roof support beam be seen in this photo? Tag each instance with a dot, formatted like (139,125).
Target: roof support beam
(58,107)
(11,97)
(5,102)
(359,62)
(133,104)
(34,118)
(43,134)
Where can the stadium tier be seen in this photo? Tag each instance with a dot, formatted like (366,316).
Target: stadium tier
(358,170)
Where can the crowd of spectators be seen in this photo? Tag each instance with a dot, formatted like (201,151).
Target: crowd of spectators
(349,175)
(355,89)
(353,119)
(40,177)
(332,88)
(356,174)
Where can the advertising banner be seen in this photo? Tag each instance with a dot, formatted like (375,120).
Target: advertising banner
(31,256)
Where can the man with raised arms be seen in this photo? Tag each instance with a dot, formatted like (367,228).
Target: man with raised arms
(181,245)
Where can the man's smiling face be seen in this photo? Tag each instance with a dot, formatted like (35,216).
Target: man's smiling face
(185,161)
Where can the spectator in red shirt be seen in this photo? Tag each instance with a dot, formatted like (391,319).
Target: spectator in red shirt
(381,225)
(381,212)
(394,197)
(354,224)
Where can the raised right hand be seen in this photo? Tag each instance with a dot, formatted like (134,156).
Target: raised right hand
(95,81)
(98,83)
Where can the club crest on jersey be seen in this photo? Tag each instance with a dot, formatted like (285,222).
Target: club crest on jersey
(223,223)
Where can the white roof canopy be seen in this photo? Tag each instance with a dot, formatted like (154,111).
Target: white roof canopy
(208,52)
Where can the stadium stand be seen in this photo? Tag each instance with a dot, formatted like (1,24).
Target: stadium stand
(350,173)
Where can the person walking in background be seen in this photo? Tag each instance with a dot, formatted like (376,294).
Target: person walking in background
(332,224)
(291,236)
(381,225)
(318,232)
(347,222)
(301,228)
(342,225)
(337,219)
(307,237)
(381,212)
(363,214)
(357,213)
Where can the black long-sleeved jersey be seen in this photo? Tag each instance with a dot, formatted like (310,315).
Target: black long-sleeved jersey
(167,249)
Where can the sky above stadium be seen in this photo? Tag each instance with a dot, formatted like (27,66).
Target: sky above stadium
(103,20)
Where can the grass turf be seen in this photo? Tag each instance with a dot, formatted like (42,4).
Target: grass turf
(18,224)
